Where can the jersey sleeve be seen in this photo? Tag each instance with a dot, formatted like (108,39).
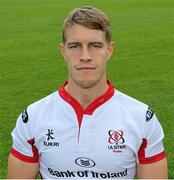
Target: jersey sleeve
(23,146)
(151,149)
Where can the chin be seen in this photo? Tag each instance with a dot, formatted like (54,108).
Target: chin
(87,84)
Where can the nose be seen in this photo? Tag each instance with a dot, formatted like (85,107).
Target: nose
(85,54)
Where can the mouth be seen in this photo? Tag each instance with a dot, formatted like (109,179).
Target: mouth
(86,68)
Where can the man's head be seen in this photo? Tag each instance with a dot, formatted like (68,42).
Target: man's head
(86,46)
(88,17)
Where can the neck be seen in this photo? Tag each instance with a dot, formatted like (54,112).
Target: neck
(86,96)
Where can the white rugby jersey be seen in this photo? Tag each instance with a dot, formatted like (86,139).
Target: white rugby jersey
(104,141)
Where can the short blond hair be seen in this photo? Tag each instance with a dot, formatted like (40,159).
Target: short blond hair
(89,17)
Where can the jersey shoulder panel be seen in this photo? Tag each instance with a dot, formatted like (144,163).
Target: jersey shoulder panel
(38,111)
(133,112)
(135,107)
(142,121)
(28,125)
(43,103)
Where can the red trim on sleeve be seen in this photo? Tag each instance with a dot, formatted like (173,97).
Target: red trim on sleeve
(153,159)
(147,160)
(34,149)
(91,107)
(23,157)
(141,152)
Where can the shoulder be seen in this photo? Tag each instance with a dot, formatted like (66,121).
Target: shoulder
(130,103)
(36,112)
(139,112)
(44,103)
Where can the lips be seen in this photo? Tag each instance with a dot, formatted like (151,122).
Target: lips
(85,68)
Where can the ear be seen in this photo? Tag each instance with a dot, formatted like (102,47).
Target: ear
(111,47)
(62,50)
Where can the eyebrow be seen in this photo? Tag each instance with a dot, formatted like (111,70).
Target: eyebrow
(96,42)
(73,43)
(92,42)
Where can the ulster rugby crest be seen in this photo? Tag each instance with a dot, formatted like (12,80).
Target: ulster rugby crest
(116,141)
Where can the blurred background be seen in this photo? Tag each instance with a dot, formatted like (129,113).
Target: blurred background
(31,66)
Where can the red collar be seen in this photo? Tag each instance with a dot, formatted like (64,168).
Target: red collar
(80,111)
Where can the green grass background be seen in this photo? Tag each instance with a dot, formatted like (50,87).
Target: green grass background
(31,66)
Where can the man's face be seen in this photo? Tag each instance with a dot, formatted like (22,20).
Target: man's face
(86,53)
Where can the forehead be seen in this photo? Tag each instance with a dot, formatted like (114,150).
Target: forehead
(79,33)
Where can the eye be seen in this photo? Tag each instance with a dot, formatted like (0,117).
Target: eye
(74,46)
(95,46)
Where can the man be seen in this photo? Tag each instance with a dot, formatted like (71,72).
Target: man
(87,130)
